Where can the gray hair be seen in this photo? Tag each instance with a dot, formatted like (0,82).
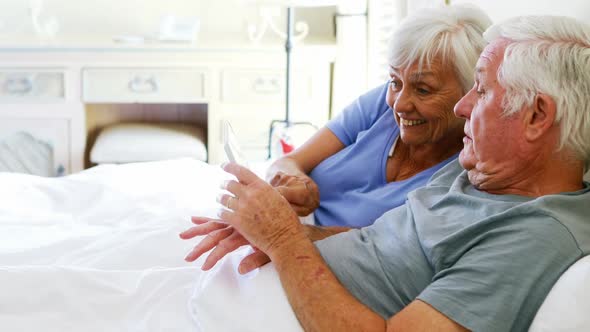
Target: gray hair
(452,32)
(549,55)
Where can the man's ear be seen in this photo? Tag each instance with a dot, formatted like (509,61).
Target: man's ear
(541,117)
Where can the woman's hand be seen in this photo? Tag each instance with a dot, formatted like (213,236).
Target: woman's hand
(223,239)
(300,190)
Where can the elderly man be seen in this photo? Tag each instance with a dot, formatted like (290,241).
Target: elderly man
(480,247)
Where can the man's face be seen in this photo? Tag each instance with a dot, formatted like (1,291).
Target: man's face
(491,143)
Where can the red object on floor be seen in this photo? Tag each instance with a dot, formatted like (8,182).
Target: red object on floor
(286,146)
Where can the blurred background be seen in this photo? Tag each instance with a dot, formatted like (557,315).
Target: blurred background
(113,81)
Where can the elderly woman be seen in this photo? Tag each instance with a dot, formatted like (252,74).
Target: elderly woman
(387,143)
(392,139)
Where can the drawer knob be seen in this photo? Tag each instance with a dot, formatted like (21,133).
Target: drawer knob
(143,85)
(267,85)
(18,85)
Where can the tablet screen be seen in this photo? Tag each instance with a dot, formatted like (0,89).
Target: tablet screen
(231,146)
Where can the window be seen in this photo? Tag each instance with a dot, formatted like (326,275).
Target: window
(383,17)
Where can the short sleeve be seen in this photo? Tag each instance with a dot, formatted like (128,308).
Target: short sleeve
(499,283)
(360,115)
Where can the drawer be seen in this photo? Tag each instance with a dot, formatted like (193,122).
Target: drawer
(31,85)
(145,85)
(51,131)
(262,86)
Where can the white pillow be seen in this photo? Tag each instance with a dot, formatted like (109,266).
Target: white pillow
(566,307)
(22,153)
(135,142)
(225,301)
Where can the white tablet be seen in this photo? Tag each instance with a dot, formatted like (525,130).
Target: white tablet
(231,146)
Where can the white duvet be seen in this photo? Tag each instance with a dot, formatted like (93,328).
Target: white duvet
(99,251)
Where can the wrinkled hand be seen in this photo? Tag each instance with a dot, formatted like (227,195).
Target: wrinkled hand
(223,239)
(300,190)
(258,212)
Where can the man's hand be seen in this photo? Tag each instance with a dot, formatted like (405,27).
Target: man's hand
(259,212)
(300,190)
(256,214)
(223,239)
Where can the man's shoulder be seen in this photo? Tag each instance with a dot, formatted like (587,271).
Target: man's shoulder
(571,210)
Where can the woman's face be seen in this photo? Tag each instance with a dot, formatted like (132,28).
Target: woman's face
(423,101)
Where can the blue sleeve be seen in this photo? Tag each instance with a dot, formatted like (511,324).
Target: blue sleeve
(360,115)
(501,281)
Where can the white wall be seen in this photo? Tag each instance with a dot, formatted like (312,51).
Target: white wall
(220,19)
(502,9)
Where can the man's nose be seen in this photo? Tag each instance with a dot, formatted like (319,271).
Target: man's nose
(464,106)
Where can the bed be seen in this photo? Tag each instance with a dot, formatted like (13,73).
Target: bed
(99,251)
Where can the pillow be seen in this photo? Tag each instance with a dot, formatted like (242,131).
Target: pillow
(225,301)
(20,152)
(135,142)
(566,307)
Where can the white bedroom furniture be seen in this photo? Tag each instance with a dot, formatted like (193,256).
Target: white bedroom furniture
(64,94)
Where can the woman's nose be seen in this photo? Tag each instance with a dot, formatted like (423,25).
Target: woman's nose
(403,102)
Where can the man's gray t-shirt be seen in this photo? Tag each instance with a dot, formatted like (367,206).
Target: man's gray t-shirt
(485,261)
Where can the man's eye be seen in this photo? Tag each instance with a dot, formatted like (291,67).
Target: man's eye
(422,91)
(394,84)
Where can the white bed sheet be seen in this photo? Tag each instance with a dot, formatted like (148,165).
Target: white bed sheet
(99,250)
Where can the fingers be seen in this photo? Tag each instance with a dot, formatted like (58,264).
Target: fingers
(295,195)
(279,179)
(202,229)
(208,242)
(253,261)
(236,188)
(275,179)
(244,175)
(200,220)
(229,201)
(203,220)
(301,210)
(224,247)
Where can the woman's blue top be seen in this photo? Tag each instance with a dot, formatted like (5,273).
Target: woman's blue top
(354,191)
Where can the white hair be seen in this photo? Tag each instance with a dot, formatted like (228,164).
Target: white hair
(452,32)
(549,55)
